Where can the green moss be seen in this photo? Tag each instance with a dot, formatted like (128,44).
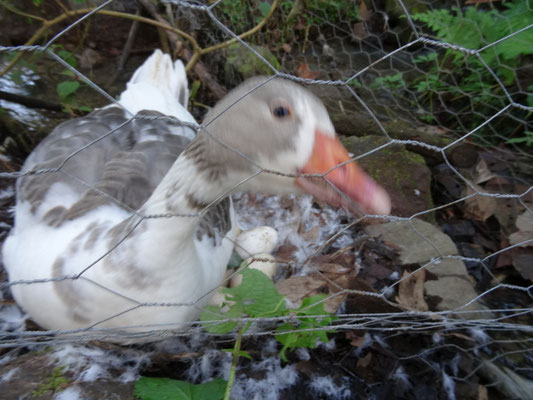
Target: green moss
(246,63)
(55,383)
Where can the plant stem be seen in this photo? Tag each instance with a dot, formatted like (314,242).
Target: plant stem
(236,352)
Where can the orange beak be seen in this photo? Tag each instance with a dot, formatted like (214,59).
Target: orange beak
(342,183)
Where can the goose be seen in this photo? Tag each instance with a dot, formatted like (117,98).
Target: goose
(123,218)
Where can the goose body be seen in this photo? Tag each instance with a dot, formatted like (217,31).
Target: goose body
(132,228)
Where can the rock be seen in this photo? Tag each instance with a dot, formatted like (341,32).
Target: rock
(402,173)
(422,242)
(242,64)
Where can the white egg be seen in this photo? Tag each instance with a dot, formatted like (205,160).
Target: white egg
(262,239)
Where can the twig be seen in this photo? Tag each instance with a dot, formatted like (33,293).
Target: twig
(49,23)
(198,68)
(245,34)
(129,43)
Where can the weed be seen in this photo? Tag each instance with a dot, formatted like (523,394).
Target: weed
(256,297)
(55,383)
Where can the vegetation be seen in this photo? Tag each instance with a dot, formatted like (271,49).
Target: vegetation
(55,383)
(255,298)
(459,81)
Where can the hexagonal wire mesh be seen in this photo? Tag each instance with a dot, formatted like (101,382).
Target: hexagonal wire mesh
(432,98)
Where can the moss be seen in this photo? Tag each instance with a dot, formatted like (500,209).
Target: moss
(55,383)
(246,63)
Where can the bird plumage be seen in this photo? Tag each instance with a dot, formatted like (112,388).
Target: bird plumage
(132,225)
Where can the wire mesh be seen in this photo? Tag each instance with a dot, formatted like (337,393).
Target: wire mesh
(450,83)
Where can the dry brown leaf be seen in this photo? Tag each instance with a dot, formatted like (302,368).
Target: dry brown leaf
(482,172)
(524,223)
(333,269)
(336,280)
(356,339)
(411,291)
(311,235)
(286,47)
(364,13)
(298,287)
(479,207)
(305,72)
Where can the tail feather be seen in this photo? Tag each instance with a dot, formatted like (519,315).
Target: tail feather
(160,85)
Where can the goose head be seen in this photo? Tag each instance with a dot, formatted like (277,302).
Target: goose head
(274,136)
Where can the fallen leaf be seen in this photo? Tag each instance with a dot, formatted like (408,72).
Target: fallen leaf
(298,287)
(332,280)
(411,291)
(364,13)
(305,72)
(524,223)
(286,253)
(311,235)
(479,207)
(356,338)
(482,172)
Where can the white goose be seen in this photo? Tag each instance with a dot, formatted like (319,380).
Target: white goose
(81,221)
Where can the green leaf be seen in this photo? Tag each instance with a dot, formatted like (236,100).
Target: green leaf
(527,139)
(264,7)
(67,56)
(170,389)
(242,353)
(64,89)
(211,315)
(311,314)
(257,295)
(194,89)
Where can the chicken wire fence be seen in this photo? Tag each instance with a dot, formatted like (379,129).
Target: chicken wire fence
(447,81)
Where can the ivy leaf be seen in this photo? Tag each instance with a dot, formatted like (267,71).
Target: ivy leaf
(64,89)
(170,389)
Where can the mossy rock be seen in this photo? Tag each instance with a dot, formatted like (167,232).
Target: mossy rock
(241,63)
(402,173)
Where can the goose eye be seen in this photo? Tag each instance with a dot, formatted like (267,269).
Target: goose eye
(280,112)
(280,108)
